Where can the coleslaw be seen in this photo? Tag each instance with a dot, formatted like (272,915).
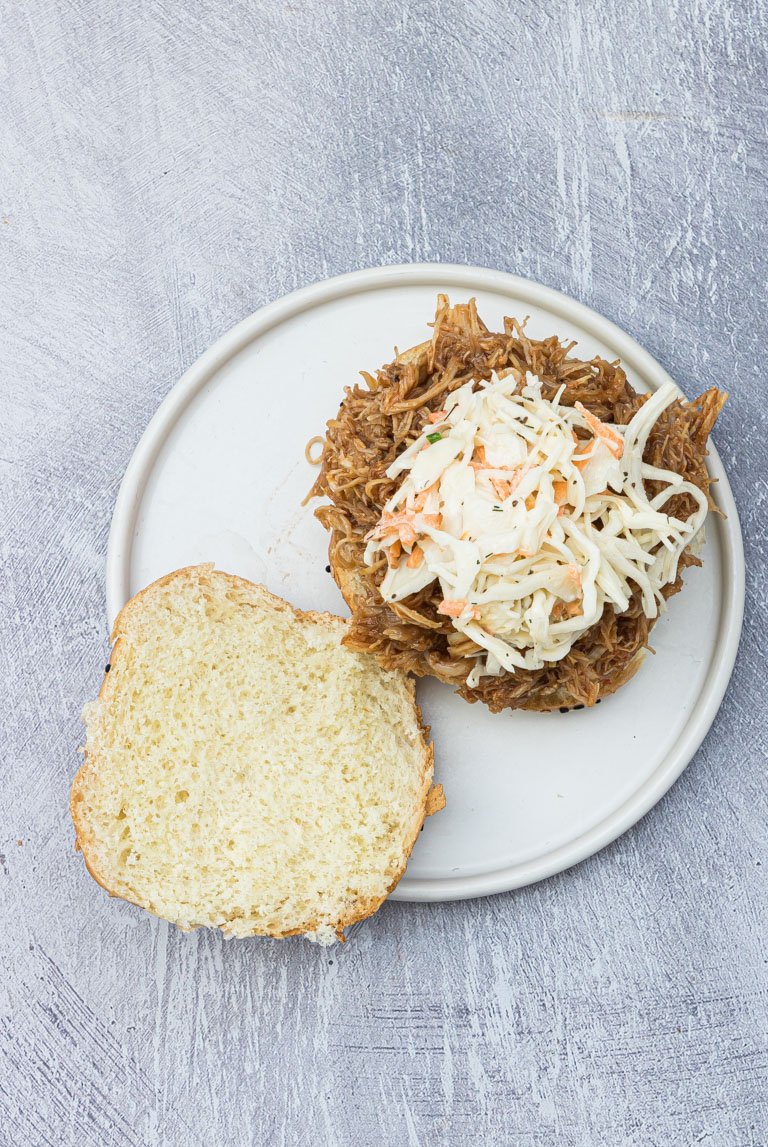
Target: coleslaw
(532,516)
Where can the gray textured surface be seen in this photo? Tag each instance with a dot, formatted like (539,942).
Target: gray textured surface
(165,172)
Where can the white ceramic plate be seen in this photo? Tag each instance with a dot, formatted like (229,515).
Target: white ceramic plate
(220,473)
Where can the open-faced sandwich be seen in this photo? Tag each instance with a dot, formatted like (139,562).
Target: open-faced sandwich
(508,518)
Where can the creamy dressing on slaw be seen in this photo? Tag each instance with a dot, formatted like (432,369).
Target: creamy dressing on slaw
(529,529)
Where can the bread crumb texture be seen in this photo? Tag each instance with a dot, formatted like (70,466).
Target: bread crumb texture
(245,771)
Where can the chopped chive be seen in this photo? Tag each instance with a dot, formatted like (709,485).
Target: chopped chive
(434,437)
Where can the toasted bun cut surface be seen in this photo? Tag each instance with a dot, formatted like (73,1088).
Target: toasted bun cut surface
(243,769)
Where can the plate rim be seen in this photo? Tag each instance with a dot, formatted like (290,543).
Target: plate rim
(632,355)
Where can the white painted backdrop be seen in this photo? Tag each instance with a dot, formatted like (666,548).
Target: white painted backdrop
(164,170)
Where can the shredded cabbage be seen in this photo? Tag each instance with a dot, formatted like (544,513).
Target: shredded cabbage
(529,529)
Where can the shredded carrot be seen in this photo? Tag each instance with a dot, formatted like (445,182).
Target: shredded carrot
(479,461)
(415,558)
(501,488)
(611,437)
(560,490)
(437,415)
(420,500)
(400,523)
(530,502)
(387,523)
(435,521)
(393,554)
(452,608)
(563,609)
(580,463)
